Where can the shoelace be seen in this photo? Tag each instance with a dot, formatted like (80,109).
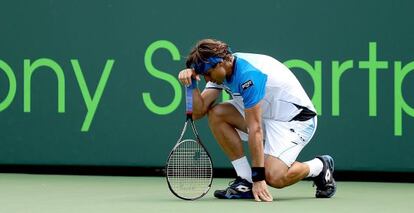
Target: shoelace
(233,181)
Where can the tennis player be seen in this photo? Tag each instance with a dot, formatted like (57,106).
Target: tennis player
(268,108)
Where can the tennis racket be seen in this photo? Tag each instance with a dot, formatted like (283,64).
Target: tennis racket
(189,169)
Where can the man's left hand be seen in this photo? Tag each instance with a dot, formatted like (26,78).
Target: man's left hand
(261,192)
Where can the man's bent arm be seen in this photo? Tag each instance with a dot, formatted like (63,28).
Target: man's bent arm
(203,101)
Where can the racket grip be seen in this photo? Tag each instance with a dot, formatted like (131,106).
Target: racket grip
(189,97)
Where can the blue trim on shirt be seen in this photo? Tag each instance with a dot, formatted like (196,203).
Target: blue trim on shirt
(247,80)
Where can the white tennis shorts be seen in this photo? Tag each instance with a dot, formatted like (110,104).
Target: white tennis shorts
(284,140)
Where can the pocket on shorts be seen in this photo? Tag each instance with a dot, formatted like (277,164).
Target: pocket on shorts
(304,130)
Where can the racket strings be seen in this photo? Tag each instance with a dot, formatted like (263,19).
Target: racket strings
(189,170)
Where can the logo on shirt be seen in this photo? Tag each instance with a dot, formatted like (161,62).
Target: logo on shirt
(247,84)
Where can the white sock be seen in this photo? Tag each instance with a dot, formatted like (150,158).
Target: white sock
(243,168)
(315,167)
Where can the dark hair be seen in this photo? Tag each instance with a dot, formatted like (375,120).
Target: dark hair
(205,49)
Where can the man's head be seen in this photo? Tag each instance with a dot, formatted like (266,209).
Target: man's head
(206,56)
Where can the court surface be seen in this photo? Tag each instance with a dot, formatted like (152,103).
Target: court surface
(65,193)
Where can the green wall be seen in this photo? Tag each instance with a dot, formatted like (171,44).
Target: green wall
(93,82)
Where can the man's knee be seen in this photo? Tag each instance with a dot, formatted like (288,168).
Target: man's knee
(275,172)
(277,180)
(216,113)
(281,179)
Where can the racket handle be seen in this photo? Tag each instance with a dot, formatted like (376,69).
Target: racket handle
(189,97)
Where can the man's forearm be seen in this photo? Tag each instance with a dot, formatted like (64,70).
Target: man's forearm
(256,147)
(198,105)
